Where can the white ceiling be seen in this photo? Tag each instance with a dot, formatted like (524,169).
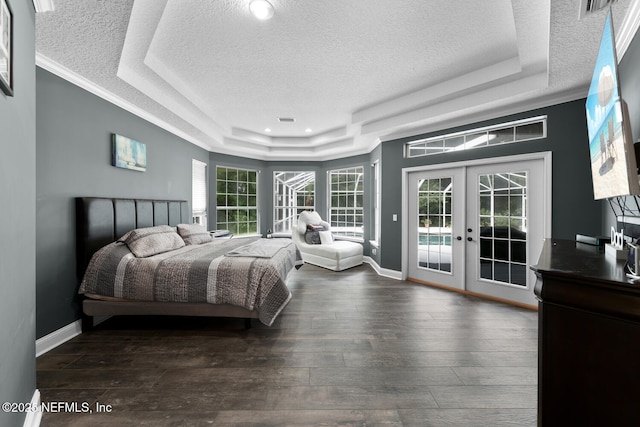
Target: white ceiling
(352,72)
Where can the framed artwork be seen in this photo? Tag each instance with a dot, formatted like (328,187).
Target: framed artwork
(6,46)
(129,153)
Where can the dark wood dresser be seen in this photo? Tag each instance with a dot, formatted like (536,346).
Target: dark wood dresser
(589,338)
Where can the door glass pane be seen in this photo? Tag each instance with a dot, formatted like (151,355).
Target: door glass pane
(503,227)
(434,223)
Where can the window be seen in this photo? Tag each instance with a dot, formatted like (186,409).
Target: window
(505,133)
(376,202)
(294,192)
(237,200)
(199,192)
(346,204)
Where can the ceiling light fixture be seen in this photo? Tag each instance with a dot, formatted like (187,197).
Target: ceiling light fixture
(307,130)
(261,9)
(267,130)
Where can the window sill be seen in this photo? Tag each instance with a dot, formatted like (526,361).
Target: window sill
(281,235)
(335,237)
(348,238)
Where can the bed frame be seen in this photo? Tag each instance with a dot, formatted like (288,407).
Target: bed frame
(100,221)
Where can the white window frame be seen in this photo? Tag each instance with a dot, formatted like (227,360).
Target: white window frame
(290,203)
(488,136)
(352,232)
(376,230)
(234,225)
(199,192)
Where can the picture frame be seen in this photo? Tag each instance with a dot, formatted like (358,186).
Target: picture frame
(128,153)
(6,48)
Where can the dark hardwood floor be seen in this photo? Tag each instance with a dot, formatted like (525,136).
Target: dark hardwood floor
(351,349)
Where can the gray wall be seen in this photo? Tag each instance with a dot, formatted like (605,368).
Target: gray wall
(629,80)
(18,234)
(74,130)
(573,208)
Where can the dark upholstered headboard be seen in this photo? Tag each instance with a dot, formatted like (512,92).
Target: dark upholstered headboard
(100,221)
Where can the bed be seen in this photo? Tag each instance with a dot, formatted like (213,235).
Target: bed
(122,274)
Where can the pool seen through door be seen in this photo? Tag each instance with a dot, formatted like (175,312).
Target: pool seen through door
(478,228)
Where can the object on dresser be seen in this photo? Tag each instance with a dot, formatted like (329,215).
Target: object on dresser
(616,249)
(615,253)
(633,260)
(593,240)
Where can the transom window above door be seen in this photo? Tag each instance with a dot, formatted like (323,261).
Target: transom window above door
(504,133)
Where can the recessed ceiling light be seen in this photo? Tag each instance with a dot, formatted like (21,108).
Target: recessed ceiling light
(267,130)
(261,9)
(307,130)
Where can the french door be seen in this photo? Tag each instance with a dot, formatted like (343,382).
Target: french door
(478,227)
(436,220)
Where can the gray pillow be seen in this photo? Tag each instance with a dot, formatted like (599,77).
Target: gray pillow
(194,234)
(312,235)
(148,241)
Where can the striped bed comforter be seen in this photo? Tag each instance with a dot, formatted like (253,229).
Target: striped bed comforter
(247,272)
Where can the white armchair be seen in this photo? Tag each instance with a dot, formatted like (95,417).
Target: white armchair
(335,255)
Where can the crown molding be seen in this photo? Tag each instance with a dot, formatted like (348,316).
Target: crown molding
(628,29)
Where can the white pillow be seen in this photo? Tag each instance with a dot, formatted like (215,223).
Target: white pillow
(325,237)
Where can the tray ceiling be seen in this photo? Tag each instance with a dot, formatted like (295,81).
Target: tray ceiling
(350,74)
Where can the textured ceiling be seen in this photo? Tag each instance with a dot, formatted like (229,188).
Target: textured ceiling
(351,73)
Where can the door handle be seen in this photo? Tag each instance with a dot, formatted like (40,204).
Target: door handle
(470,239)
(459,238)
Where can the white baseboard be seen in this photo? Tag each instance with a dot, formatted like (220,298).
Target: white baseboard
(33,418)
(62,335)
(55,338)
(392,274)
